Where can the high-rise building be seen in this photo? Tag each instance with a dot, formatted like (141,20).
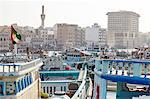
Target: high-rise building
(123,28)
(68,35)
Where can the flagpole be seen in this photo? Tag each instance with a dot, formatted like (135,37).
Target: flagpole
(12,46)
(15,49)
(14,52)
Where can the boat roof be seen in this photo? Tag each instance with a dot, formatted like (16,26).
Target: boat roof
(19,68)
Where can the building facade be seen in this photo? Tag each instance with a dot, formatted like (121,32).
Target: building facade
(102,38)
(92,32)
(5,43)
(43,39)
(96,34)
(68,35)
(144,39)
(123,28)
(27,33)
(35,39)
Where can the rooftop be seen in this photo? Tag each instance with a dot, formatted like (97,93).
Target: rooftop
(59,75)
(123,11)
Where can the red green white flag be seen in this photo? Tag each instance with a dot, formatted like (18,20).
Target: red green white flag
(15,37)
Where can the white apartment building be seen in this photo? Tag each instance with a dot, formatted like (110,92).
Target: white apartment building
(123,28)
(92,33)
(96,34)
(68,35)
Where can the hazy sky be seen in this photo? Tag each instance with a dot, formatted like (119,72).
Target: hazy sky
(81,12)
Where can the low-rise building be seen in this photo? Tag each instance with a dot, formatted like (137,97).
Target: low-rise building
(68,36)
(96,34)
(5,42)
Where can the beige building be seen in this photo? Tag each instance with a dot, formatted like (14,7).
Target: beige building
(5,37)
(30,37)
(5,42)
(26,33)
(123,28)
(44,39)
(68,35)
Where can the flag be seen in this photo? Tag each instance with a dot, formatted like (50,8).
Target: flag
(15,37)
